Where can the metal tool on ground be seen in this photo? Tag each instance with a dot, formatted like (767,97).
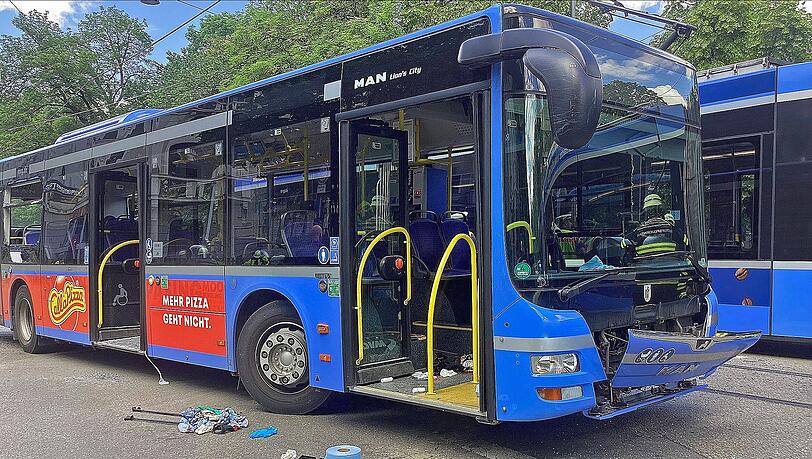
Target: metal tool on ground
(155,421)
(138,409)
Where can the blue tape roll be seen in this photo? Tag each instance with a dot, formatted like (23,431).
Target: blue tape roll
(343,452)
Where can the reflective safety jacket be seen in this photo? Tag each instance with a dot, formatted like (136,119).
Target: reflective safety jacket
(657,235)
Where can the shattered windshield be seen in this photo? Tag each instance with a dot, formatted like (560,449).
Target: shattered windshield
(628,195)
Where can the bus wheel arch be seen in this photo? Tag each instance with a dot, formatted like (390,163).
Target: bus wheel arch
(271,355)
(12,295)
(24,320)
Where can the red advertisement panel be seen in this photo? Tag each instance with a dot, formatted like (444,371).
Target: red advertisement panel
(66,299)
(186,314)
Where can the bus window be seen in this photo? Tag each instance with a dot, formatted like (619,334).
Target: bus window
(731,190)
(23,220)
(281,194)
(65,210)
(187,184)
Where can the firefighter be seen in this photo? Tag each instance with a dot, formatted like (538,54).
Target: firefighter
(656,233)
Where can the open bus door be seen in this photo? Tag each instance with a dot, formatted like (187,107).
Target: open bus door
(374,231)
(115,259)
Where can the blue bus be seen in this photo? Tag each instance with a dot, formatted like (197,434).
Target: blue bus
(511,201)
(755,144)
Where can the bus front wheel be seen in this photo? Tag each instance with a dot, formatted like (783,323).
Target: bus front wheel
(272,361)
(24,327)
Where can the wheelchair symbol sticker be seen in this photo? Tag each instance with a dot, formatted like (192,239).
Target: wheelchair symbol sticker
(121,299)
(324,255)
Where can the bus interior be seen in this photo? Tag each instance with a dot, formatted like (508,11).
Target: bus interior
(117,259)
(436,205)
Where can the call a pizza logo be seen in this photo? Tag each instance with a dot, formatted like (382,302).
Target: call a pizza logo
(65,298)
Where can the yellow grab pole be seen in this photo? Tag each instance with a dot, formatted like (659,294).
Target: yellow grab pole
(367,252)
(474,310)
(101,272)
(525,225)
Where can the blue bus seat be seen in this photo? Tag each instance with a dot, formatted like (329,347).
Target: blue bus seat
(31,237)
(303,238)
(460,254)
(118,230)
(428,241)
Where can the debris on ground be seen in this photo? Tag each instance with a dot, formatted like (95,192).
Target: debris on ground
(205,419)
(343,452)
(420,375)
(264,433)
(444,373)
(289,454)
(467,362)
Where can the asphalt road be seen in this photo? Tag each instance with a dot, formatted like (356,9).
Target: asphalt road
(72,403)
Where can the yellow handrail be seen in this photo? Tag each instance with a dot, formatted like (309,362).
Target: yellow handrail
(525,225)
(474,309)
(101,273)
(378,238)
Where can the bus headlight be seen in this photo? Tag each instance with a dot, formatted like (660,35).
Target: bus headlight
(554,364)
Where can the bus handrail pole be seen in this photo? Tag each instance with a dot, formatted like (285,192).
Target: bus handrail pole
(101,273)
(525,225)
(474,310)
(367,252)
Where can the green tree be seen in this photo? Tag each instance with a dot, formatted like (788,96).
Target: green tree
(731,31)
(272,37)
(54,80)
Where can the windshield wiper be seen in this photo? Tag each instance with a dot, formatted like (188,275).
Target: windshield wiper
(571,290)
(685,255)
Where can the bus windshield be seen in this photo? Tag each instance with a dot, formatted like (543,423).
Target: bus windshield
(627,199)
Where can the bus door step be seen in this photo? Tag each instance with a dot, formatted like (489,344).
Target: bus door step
(608,411)
(390,369)
(131,344)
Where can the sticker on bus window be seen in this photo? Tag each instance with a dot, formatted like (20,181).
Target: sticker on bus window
(158,249)
(676,214)
(332,287)
(522,270)
(87,254)
(148,251)
(324,255)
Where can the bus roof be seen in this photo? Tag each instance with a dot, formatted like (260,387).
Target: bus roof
(494,13)
(759,82)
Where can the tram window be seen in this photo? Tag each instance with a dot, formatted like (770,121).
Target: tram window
(731,191)
(22,222)
(281,187)
(187,182)
(65,207)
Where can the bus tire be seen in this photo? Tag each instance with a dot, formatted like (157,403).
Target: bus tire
(272,361)
(24,325)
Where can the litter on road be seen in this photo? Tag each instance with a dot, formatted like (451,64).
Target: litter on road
(264,433)
(204,419)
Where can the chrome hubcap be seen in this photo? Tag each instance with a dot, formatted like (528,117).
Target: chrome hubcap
(282,357)
(26,321)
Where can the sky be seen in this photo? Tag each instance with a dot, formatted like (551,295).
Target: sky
(170,13)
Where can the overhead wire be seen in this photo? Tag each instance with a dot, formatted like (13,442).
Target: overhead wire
(16,7)
(200,13)
(193,6)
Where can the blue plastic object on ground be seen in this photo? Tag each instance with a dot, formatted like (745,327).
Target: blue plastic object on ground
(343,452)
(264,433)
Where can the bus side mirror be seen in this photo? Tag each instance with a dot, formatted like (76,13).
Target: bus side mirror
(563,63)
